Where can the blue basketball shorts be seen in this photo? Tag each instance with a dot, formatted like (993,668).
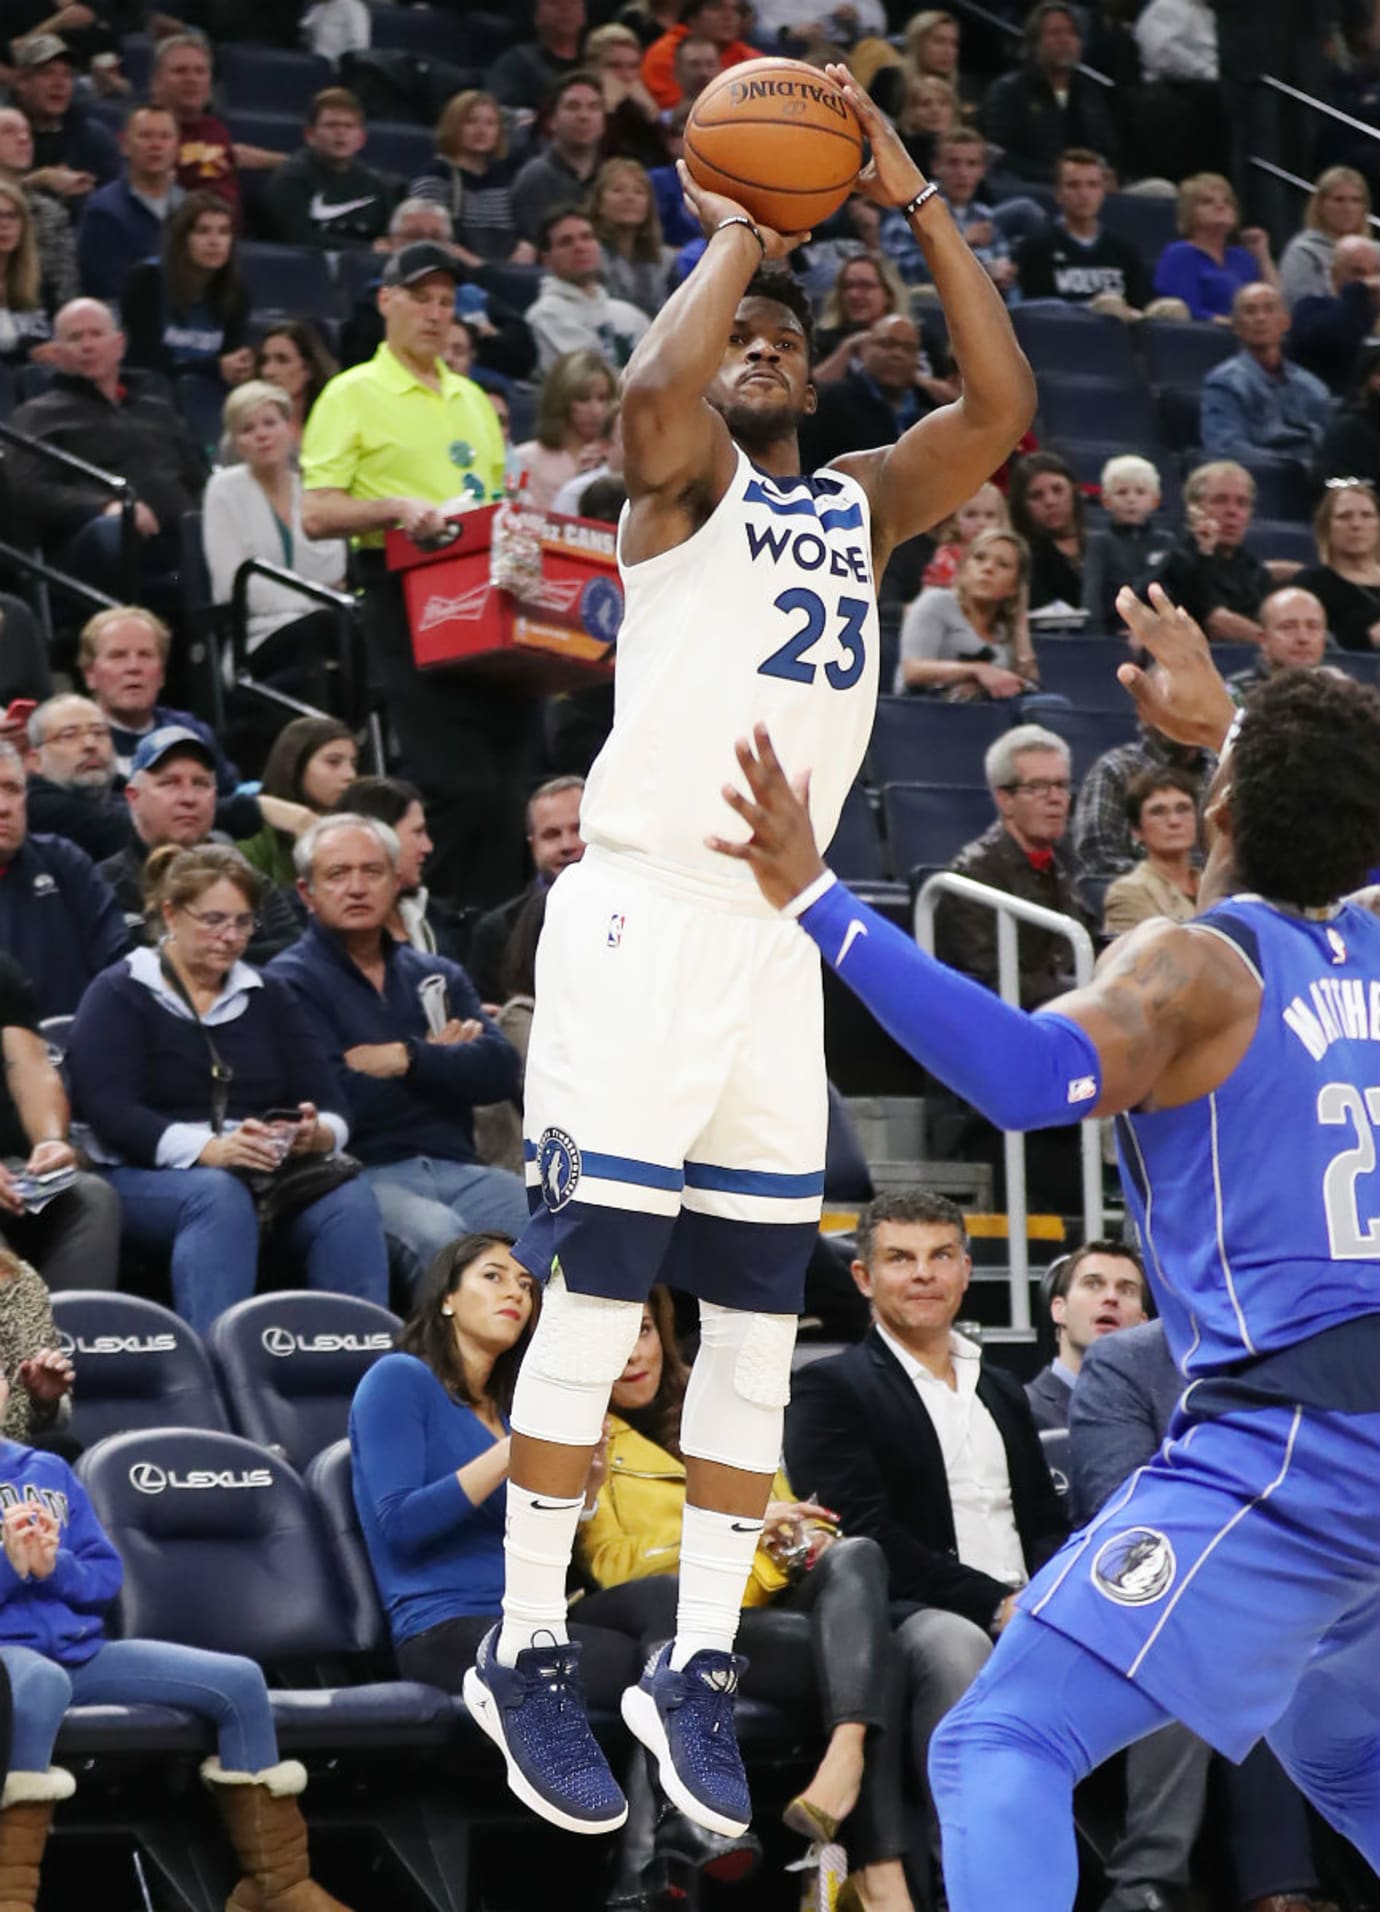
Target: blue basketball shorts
(676,1108)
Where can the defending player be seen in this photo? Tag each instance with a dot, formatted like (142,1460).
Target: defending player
(1234,1583)
(675,1093)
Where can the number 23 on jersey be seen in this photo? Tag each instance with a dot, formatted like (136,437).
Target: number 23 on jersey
(844,624)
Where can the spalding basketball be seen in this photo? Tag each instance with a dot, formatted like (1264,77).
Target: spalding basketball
(780,138)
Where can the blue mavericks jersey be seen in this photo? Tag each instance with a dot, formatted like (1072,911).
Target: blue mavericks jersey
(1259,1205)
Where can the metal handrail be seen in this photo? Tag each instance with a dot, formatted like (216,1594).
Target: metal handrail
(340,602)
(1013,32)
(1296,180)
(1009,911)
(50,574)
(118,487)
(1318,106)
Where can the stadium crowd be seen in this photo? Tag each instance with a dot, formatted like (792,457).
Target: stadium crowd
(268,1029)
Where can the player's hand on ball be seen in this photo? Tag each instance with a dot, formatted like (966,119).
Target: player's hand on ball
(1183,694)
(781,850)
(711,209)
(891,177)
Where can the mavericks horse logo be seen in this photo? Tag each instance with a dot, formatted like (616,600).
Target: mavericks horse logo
(1135,1568)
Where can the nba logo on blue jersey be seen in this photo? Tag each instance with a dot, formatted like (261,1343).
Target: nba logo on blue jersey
(558,1164)
(616,922)
(1134,1568)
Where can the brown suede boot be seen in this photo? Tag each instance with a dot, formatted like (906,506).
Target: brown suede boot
(26,1813)
(270,1839)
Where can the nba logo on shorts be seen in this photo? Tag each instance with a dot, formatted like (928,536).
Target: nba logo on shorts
(1134,1568)
(558,1165)
(615,935)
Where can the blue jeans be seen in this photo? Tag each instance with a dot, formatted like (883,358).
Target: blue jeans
(206,1217)
(426,1202)
(217,1686)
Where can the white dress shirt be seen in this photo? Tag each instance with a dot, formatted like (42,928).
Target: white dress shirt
(974,1460)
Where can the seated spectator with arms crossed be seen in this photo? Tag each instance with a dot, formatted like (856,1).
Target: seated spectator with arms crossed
(913,1439)
(417,1048)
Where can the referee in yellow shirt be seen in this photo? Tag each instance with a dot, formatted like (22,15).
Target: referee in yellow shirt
(388,443)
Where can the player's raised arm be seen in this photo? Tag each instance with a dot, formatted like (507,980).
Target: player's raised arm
(677,453)
(943,459)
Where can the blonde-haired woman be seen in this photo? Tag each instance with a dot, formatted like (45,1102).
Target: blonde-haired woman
(1204,268)
(932,47)
(25,321)
(932,108)
(1346,578)
(972,641)
(1338,209)
(471,175)
(574,415)
(867,288)
(622,210)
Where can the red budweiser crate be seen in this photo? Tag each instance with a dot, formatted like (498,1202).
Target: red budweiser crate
(561,638)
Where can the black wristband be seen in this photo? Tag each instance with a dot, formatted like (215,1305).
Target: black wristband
(922,198)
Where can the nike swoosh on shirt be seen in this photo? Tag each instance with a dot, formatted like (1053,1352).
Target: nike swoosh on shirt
(850,936)
(336,209)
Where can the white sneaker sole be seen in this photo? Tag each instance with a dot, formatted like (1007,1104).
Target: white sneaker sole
(485,1714)
(643,1721)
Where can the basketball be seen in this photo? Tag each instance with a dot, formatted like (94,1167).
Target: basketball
(780,138)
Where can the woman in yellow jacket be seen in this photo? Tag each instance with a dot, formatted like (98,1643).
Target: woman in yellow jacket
(816,1611)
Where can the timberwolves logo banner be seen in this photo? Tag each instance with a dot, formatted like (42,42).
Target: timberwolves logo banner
(558,1165)
(1136,1568)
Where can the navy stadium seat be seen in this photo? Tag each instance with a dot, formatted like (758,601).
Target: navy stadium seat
(513,286)
(1176,354)
(136,57)
(396,146)
(434,33)
(924,739)
(856,849)
(1089,733)
(222,1549)
(7,400)
(294,279)
(270,80)
(1180,417)
(138,1365)
(1281,487)
(253,126)
(847,1178)
(289,1364)
(1147,220)
(1055,1442)
(330,1484)
(358,272)
(1281,538)
(1364,666)
(1098,408)
(1063,340)
(1083,669)
(930,822)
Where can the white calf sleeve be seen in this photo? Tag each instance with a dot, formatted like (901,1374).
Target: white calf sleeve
(580,1348)
(735,1404)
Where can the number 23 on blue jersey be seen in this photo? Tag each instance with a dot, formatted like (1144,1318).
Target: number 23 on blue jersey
(790,660)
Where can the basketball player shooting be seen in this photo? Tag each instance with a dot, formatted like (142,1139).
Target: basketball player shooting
(675,1095)
(1234,1582)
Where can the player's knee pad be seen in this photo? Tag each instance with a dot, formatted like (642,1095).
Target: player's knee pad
(739,1386)
(581,1346)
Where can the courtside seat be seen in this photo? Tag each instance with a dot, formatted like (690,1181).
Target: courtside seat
(222,1548)
(138,1365)
(289,1365)
(89,1731)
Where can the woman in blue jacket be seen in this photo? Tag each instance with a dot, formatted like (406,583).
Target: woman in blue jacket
(58,1574)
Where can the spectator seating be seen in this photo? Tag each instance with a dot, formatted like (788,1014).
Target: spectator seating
(856,849)
(1087,456)
(1065,340)
(254,126)
(268,80)
(1178,354)
(328,1480)
(138,1366)
(289,1364)
(1147,220)
(1088,733)
(1083,669)
(289,279)
(923,737)
(510,285)
(1281,485)
(929,823)
(1364,666)
(1071,408)
(359,272)
(399,147)
(1055,1442)
(1279,538)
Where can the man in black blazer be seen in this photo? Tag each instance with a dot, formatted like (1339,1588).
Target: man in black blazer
(1097,1290)
(913,1439)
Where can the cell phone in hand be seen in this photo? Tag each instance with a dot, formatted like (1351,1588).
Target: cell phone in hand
(19,712)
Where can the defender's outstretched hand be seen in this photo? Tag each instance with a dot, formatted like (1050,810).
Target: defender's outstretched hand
(891,177)
(781,850)
(1183,694)
(711,209)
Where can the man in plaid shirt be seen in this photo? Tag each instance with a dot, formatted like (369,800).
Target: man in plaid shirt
(1102,841)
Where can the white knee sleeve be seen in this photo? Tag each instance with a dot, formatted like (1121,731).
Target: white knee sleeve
(580,1348)
(741,1381)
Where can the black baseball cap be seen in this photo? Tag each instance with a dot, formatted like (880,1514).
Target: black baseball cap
(411,264)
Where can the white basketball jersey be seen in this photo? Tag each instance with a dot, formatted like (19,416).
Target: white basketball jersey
(768,614)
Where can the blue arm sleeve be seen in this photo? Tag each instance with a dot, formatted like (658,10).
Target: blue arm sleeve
(1020,1071)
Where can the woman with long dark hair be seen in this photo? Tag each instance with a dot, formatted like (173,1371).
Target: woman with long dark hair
(292,355)
(816,1610)
(1047,511)
(312,762)
(189,312)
